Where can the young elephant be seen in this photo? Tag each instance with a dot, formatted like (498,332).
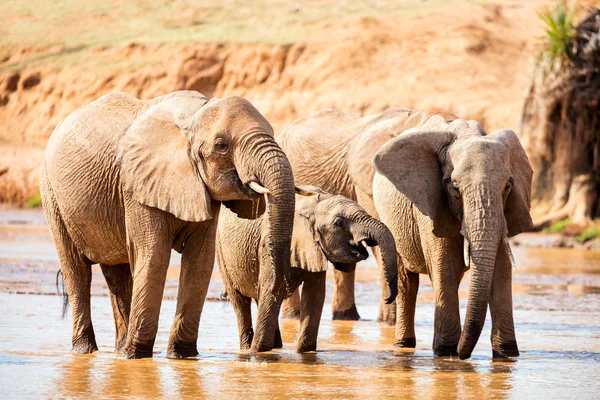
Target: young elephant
(326,228)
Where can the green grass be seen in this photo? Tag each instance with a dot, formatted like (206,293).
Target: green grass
(34,202)
(76,27)
(590,233)
(557,227)
(560,31)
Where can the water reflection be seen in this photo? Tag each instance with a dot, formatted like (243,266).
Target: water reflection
(556,299)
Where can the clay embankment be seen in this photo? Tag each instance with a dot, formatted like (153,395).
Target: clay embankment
(464,60)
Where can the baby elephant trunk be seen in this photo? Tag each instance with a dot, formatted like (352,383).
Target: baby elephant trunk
(374,233)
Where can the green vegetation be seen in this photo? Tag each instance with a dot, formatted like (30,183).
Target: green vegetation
(34,202)
(560,32)
(590,233)
(68,31)
(557,227)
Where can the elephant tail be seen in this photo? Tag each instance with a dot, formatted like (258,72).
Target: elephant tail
(61,290)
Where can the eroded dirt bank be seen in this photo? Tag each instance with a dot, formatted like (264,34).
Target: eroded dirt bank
(473,60)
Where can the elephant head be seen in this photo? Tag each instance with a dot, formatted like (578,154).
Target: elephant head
(335,228)
(185,151)
(468,183)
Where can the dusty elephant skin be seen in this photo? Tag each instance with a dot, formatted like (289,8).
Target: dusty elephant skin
(326,228)
(460,193)
(333,150)
(124,181)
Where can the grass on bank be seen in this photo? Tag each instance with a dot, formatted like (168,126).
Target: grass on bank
(557,227)
(76,28)
(588,234)
(34,202)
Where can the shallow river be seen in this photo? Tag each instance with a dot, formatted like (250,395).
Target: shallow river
(556,300)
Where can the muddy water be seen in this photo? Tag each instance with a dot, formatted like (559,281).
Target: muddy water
(557,303)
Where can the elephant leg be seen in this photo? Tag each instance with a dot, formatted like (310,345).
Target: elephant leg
(387,312)
(504,341)
(313,298)
(120,285)
(277,340)
(268,306)
(290,309)
(241,304)
(343,304)
(77,272)
(242,307)
(197,262)
(447,329)
(408,287)
(150,237)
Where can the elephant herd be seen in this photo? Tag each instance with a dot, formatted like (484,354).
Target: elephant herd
(124,181)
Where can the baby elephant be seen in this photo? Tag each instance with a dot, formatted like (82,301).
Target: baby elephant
(326,228)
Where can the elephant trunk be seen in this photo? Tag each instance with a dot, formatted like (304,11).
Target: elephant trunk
(270,168)
(375,233)
(483,232)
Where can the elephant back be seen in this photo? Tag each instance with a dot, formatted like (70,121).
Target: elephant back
(81,170)
(317,149)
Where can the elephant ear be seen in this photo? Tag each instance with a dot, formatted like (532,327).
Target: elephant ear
(518,202)
(247,209)
(156,168)
(306,252)
(411,162)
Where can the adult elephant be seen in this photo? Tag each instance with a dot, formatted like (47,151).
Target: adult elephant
(124,181)
(333,150)
(452,195)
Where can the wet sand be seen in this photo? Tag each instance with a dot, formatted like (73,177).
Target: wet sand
(556,300)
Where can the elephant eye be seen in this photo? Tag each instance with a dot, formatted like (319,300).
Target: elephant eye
(455,186)
(221,145)
(339,222)
(508,184)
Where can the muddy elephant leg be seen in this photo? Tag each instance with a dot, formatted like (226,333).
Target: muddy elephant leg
(313,298)
(446,274)
(120,285)
(197,262)
(343,304)
(290,309)
(269,306)
(387,312)
(504,341)
(408,287)
(242,307)
(149,247)
(77,273)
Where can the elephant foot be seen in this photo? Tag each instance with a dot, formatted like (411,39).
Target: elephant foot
(387,314)
(260,348)
(277,342)
(134,351)
(350,314)
(305,347)
(182,349)
(86,343)
(406,343)
(446,350)
(505,350)
(246,339)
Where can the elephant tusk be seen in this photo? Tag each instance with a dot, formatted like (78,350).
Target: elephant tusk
(258,188)
(364,244)
(307,190)
(513,264)
(467,253)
